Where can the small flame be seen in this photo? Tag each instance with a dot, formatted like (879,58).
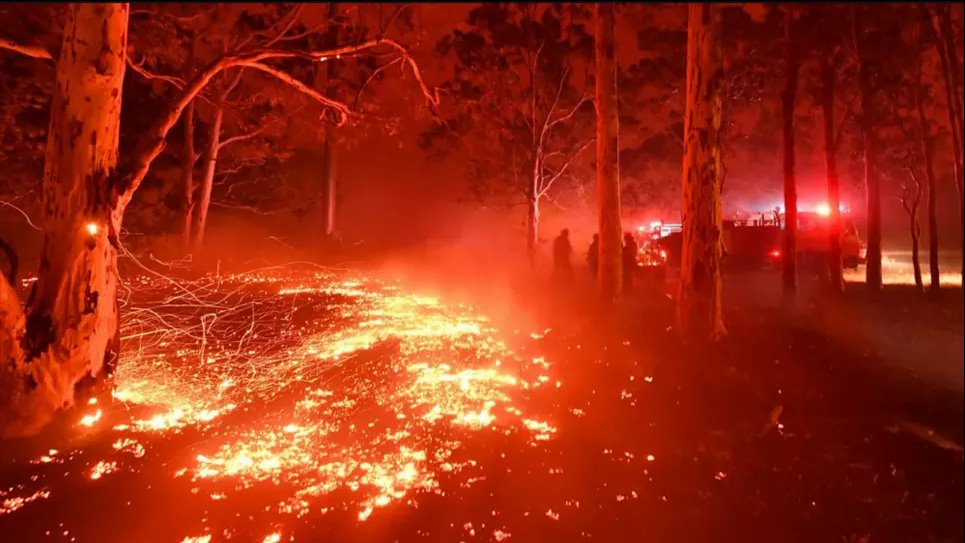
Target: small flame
(92,228)
(101,469)
(89,420)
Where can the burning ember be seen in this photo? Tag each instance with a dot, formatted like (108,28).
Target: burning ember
(311,384)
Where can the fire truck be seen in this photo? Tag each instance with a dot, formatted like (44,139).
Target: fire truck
(754,241)
(813,233)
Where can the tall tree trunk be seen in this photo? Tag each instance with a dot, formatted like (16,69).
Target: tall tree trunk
(329,154)
(951,72)
(828,77)
(927,152)
(871,183)
(187,172)
(532,208)
(532,226)
(187,158)
(607,157)
(70,329)
(699,302)
(325,72)
(872,188)
(207,182)
(788,99)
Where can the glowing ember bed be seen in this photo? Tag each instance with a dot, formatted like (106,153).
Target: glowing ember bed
(288,394)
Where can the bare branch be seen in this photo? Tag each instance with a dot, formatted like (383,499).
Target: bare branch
(571,112)
(562,170)
(431,96)
(138,67)
(287,25)
(342,109)
(377,71)
(383,28)
(129,178)
(306,33)
(534,74)
(22,212)
(554,201)
(286,22)
(175,82)
(242,207)
(556,101)
(231,86)
(32,51)
(241,137)
(180,19)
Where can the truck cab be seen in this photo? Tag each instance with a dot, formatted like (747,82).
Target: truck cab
(813,234)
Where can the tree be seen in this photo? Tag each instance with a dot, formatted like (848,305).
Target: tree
(229,108)
(520,113)
(927,139)
(188,157)
(830,77)
(867,123)
(905,134)
(939,28)
(67,336)
(607,157)
(172,39)
(273,157)
(328,71)
(788,101)
(241,26)
(70,329)
(910,197)
(699,301)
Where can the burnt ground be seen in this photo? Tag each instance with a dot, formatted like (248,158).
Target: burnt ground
(835,418)
(812,422)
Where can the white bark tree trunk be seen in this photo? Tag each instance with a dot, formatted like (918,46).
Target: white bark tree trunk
(207,182)
(532,226)
(699,301)
(329,147)
(187,164)
(187,173)
(69,333)
(610,270)
(329,151)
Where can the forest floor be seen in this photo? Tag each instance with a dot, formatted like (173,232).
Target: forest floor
(317,406)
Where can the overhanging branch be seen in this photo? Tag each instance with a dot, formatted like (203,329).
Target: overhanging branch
(130,176)
(32,51)
(342,109)
(562,169)
(138,68)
